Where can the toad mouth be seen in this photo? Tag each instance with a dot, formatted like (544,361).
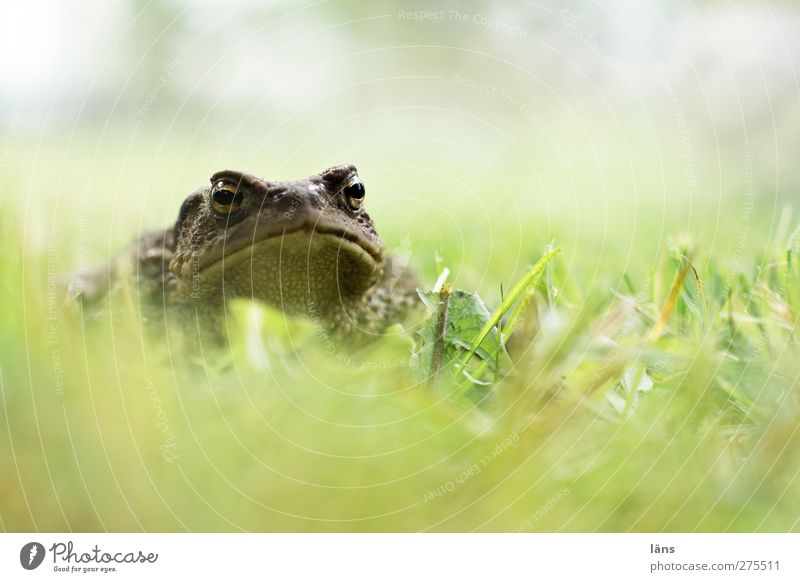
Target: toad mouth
(232,249)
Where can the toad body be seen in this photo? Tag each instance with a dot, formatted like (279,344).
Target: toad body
(306,247)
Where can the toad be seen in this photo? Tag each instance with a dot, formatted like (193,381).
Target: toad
(305,246)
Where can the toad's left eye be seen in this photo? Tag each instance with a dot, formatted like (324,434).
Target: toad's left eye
(354,192)
(225,198)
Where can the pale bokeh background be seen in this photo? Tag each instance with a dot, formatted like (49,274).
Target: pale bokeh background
(482,130)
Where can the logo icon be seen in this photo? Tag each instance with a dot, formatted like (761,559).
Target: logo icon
(31,555)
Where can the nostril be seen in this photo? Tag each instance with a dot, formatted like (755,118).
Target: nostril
(312,199)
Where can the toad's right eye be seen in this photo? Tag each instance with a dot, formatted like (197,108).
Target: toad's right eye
(225,197)
(354,192)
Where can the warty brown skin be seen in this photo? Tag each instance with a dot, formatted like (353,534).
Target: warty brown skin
(305,246)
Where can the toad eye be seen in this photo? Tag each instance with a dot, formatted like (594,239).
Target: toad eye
(225,198)
(354,192)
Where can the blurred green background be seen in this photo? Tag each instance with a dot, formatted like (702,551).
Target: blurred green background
(483,131)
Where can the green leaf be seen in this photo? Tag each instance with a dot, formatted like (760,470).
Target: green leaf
(531,278)
(461,329)
(457,317)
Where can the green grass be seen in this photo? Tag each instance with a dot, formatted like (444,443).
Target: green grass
(655,393)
